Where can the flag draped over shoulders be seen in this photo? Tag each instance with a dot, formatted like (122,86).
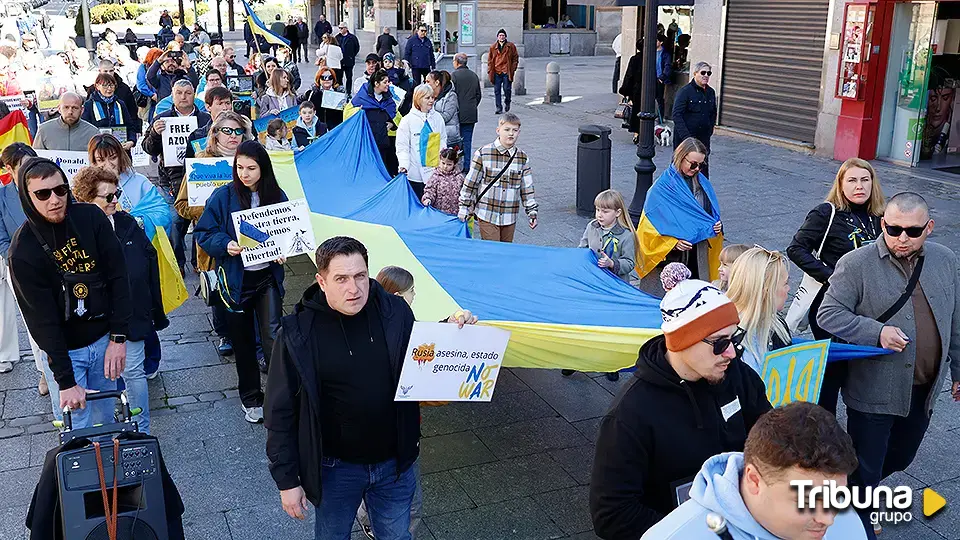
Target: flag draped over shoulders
(672,213)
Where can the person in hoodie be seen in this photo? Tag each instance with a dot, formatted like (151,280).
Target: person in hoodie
(101,187)
(332,423)
(751,490)
(420,137)
(689,399)
(308,128)
(380,109)
(247,291)
(70,278)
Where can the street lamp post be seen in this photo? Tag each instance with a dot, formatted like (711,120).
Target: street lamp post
(646,150)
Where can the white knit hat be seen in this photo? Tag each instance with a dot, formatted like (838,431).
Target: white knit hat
(692,311)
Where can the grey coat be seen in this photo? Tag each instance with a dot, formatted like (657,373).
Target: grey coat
(467,86)
(866,283)
(624,266)
(449,108)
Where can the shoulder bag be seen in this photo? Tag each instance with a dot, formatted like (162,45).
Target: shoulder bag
(623,111)
(907,293)
(492,182)
(798,316)
(84,296)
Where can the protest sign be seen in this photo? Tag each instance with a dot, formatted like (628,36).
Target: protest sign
(15,103)
(204,175)
(333,100)
(447,363)
(240,84)
(795,373)
(119,132)
(175,133)
(139,157)
(270,232)
(398,94)
(289,117)
(70,162)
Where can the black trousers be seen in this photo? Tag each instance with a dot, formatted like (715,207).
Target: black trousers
(419,74)
(261,296)
(616,75)
(417,188)
(661,113)
(348,79)
(886,443)
(835,374)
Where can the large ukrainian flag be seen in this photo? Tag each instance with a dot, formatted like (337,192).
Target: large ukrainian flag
(259,29)
(670,212)
(154,212)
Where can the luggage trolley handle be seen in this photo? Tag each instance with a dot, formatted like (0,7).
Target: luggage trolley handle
(109,394)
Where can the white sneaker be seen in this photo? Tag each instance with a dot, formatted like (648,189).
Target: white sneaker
(6,367)
(254,415)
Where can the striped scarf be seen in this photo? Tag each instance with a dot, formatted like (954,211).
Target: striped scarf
(108,109)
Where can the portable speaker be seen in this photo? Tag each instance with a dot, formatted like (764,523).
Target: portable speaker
(140,506)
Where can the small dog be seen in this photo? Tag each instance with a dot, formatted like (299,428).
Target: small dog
(663,134)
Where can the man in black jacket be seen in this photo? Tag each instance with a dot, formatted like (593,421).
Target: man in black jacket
(690,399)
(695,110)
(469,94)
(334,432)
(303,37)
(70,279)
(350,47)
(167,69)
(322,27)
(385,42)
(170,177)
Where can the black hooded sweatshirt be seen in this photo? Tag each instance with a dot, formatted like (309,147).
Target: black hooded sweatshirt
(657,434)
(84,243)
(331,386)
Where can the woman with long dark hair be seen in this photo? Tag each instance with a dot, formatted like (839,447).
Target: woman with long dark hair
(377,103)
(245,290)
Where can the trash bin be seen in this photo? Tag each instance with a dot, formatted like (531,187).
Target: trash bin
(593,166)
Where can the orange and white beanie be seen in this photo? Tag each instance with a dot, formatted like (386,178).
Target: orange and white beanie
(693,310)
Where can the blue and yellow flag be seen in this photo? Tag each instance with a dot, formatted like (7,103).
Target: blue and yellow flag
(671,212)
(155,214)
(249,236)
(429,146)
(259,29)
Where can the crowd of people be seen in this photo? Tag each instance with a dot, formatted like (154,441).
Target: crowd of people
(85,278)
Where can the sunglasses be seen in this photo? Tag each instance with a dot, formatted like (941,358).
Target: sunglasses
(722,344)
(110,197)
(59,191)
(695,165)
(326,77)
(707,73)
(913,232)
(231,131)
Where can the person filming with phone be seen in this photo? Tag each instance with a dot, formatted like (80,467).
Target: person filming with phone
(902,294)
(170,67)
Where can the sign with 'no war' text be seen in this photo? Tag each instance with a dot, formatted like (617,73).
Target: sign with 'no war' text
(447,363)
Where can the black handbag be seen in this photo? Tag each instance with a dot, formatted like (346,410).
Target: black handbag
(623,112)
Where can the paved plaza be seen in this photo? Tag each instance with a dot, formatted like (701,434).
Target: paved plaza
(515,468)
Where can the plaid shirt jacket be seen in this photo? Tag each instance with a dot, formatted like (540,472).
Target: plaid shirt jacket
(501,204)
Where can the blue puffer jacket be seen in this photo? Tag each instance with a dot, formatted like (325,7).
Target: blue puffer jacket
(215,230)
(419,52)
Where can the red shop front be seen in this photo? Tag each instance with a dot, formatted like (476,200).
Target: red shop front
(898,76)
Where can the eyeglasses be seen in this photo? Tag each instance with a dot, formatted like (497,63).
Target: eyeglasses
(913,232)
(326,77)
(59,191)
(695,165)
(104,85)
(706,73)
(110,197)
(231,56)
(722,344)
(231,131)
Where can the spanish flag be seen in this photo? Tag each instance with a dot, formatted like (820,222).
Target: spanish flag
(259,29)
(13,128)
(671,212)
(249,236)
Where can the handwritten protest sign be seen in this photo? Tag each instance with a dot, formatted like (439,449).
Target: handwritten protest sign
(70,162)
(175,133)
(204,175)
(333,100)
(398,94)
(139,157)
(289,117)
(795,373)
(446,363)
(278,230)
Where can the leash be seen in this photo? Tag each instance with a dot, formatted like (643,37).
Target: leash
(110,513)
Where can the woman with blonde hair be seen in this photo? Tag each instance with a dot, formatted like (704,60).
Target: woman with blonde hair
(681,221)
(279,95)
(759,288)
(420,137)
(848,219)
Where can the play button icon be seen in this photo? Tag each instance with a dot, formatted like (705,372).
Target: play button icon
(933,502)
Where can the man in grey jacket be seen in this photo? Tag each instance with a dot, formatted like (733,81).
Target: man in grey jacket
(67,131)
(467,85)
(890,398)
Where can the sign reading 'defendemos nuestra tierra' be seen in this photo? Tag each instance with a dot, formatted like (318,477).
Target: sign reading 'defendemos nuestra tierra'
(270,232)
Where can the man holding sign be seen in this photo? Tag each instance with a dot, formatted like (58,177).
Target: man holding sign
(170,141)
(330,400)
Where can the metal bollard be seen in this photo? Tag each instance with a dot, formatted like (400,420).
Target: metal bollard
(553,83)
(520,79)
(487,83)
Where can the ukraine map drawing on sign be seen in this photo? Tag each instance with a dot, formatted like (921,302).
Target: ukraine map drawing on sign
(250,236)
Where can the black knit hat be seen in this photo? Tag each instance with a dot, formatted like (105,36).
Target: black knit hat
(501,31)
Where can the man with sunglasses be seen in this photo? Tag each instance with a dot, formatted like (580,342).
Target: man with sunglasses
(695,110)
(690,398)
(70,277)
(902,294)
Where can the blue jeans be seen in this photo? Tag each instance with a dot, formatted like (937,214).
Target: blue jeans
(88,372)
(502,80)
(388,497)
(136,381)
(466,131)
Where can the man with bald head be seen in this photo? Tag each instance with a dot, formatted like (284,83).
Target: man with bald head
(67,131)
(901,293)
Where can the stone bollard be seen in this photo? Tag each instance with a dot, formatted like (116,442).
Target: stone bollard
(483,71)
(520,80)
(553,83)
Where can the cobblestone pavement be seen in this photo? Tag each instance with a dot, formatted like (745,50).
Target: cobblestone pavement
(518,467)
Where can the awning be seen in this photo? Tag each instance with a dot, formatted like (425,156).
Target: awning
(634,3)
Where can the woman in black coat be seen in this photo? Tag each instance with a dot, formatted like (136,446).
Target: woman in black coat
(377,103)
(632,86)
(325,80)
(857,202)
(105,109)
